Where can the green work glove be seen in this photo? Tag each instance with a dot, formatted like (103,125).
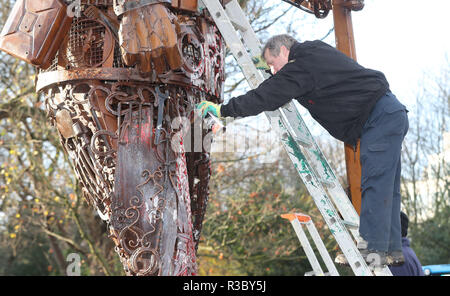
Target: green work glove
(206,106)
(260,63)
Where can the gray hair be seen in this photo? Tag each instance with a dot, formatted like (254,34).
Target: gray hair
(275,42)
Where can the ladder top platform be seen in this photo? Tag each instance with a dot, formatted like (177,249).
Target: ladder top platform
(300,217)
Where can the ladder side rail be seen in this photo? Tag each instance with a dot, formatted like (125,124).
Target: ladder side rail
(300,139)
(346,208)
(322,201)
(315,156)
(321,248)
(307,247)
(234,43)
(338,229)
(249,37)
(318,160)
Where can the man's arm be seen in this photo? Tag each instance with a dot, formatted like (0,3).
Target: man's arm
(290,82)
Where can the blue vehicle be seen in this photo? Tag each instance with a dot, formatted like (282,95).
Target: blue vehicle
(440,269)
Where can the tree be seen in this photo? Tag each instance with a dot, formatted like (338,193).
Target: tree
(42,218)
(426,171)
(243,231)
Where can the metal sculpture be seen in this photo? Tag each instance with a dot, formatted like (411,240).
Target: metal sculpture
(122,73)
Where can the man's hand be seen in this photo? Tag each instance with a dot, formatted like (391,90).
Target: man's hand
(206,106)
(260,63)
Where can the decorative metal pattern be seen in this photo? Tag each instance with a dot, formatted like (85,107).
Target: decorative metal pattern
(320,8)
(152,197)
(193,56)
(90,44)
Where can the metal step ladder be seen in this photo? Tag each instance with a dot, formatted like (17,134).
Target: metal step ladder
(298,220)
(303,151)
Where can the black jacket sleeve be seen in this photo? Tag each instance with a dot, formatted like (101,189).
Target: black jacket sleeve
(290,82)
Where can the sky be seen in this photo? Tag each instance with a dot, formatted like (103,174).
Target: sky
(407,40)
(404,39)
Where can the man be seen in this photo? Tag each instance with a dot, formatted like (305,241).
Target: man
(411,266)
(351,103)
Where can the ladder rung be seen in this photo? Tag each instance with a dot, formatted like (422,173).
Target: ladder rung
(297,139)
(350,224)
(237,25)
(327,184)
(303,142)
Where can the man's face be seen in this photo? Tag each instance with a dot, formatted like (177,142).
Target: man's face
(278,62)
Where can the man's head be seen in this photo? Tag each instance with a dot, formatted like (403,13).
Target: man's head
(276,51)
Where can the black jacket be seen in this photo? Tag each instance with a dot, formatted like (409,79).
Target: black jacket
(338,92)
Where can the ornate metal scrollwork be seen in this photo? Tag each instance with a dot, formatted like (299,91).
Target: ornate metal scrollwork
(152,197)
(89,44)
(192,54)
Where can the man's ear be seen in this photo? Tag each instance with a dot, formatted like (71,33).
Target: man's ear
(284,50)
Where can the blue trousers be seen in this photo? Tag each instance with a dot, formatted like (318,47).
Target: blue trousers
(381,143)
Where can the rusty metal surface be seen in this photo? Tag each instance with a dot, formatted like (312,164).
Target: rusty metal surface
(49,79)
(153,198)
(354,5)
(86,54)
(154,49)
(150,214)
(123,6)
(321,8)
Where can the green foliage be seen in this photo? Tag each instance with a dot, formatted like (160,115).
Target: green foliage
(243,224)
(426,171)
(431,240)
(29,259)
